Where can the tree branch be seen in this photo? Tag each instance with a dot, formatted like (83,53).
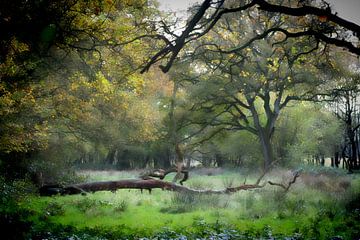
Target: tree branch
(287,187)
(192,33)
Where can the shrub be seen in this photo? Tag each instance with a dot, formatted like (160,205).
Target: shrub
(121,206)
(54,172)
(13,218)
(200,184)
(55,209)
(188,201)
(84,204)
(228,182)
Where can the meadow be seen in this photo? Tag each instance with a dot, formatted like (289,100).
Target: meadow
(322,204)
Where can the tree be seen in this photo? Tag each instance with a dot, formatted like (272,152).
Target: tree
(247,88)
(307,131)
(345,106)
(55,83)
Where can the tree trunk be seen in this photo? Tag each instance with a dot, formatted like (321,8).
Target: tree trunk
(167,159)
(123,161)
(356,153)
(264,133)
(141,184)
(146,161)
(337,159)
(110,158)
(219,160)
(151,183)
(353,158)
(322,160)
(266,148)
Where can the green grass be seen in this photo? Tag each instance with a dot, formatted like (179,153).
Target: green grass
(307,203)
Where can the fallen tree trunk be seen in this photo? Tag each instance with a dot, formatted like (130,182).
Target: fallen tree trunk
(149,183)
(141,184)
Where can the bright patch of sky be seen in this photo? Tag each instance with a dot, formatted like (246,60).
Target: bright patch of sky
(180,6)
(347,9)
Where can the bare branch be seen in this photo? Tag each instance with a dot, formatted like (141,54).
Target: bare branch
(192,32)
(291,182)
(309,10)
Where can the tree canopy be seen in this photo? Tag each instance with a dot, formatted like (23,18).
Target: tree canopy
(72,91)
(314,20)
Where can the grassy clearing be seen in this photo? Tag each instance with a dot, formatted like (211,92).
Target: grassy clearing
(315,206)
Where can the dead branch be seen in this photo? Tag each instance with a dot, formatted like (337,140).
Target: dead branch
(161,174)
(287,187)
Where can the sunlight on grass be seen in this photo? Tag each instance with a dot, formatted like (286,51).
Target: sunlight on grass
(249,211)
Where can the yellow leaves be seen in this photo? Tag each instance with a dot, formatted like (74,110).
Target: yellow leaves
(216,62)
(125,106)
(15,101)
(17,46)
(136,83)
(273,64)
(102,84)
(74,86)
(262,78)
(9,66)
(22,137)
(244,73)
(12,143)
(6,101)
(143,118)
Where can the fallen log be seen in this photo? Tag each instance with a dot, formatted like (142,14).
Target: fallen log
(148,183)
(141,184)
(49,190)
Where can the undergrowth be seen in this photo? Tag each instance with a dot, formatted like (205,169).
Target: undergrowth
(305,212)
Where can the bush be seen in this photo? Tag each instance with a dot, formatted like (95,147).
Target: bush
(188,201)
(85,204)
(11,192)
(121,206)
(54,172)
(55,209)
(13,218)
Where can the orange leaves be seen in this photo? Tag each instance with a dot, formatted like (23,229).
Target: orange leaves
(323,18)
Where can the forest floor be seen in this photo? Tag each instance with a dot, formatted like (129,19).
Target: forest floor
(322,204)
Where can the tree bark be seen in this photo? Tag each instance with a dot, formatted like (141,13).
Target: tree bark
(123,161)
(322,160)
(148,183)
(337,159)
(266,148)
(141,184)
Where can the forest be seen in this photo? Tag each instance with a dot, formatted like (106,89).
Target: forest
(239,119)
